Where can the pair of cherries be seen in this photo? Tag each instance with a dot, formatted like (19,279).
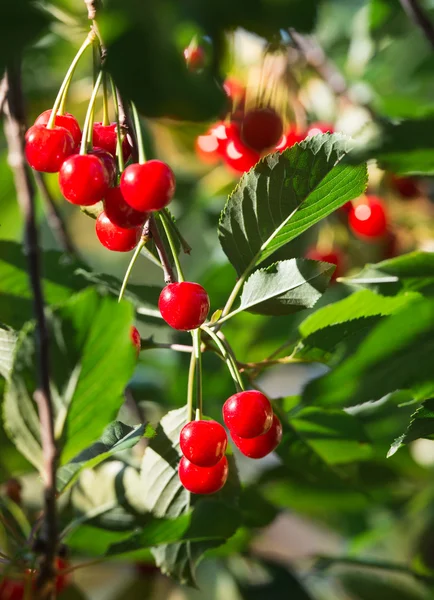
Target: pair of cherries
(255,429)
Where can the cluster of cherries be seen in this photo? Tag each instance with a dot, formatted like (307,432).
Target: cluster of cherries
(254,428)
(87,177)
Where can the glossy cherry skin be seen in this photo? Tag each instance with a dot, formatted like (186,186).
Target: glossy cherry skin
(236,154)
(135,338)
(149,186)
(248,414)
(105,136)
(184,306)
(83,179)
(367,219)
(108,161)
(334,257)
(316,128)
(203,480)
(207,148)
(119,212)
(289,138)
(195,58)
(117,239)
(203,442)
(260,446)
(47,149)
(66,120)
(261,129)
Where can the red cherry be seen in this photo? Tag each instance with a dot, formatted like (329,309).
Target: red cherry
(236,154)
(368,218)
(203,442)
(248,414)
(335,257)
(117,239)
(62,579)
(195,58)
(184,305)
(149,186)
(203,480)
(260,446)
(108,161)
(105,136)
(288,139)
(135,338)
(66,120)
(119,212)
(316,128)
(207,147)
(407,187)
(47,149)
(11,589)
(83,179)
(262,129)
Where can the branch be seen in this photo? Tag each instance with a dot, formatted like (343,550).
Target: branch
(14,130)
(92,8)
(420,18)
(126,124)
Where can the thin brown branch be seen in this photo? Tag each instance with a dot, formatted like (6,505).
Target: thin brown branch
(169,275)
(14,130)
(92,8)
(54,216)
(420,18)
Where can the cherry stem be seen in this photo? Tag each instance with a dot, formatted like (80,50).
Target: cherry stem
(138,128)
(169,275)
(119,153)
(190,387)
(88,122)
(63,90)
(139,246)
(198,359)
(167,229)
(227,357)
(105,112)
(185,245)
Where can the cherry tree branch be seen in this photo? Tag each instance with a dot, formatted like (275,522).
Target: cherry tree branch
(14,131)
(420,18)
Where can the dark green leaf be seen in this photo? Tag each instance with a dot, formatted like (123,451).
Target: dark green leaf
(92,359)
(420,426)
(395,355)
(8,340)
(284,195)
(72,593)
(285,287)
(116,437)
(363,584)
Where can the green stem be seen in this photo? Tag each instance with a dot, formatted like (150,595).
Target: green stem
(119,153)
(130,267)
(88,120)
(190,387)
(228,358)
(198,357)
(105,112)
(138,128)
(185,245)
(164,219)
(67,80)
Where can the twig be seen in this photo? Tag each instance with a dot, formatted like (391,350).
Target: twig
(14,130)
(420,18)
(169,275)
(126,124)
(54,216)
(92,8)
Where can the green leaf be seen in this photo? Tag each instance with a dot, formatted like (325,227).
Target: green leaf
(363,584)
(284,195)
(92,359)
(164,496)
(395,355)
(8,340)
(116,437)
(285,287)
(420,426)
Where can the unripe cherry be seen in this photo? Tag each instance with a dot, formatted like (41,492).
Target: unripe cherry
(116,238)
(248,414)
(135,338)
(261,129)
(83,179)
(66,120)
(119,212)
(203,480)
(260,446)
(105,136)
(47,149)
(203,442)
(149,186)
(367,219)
(184,305)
